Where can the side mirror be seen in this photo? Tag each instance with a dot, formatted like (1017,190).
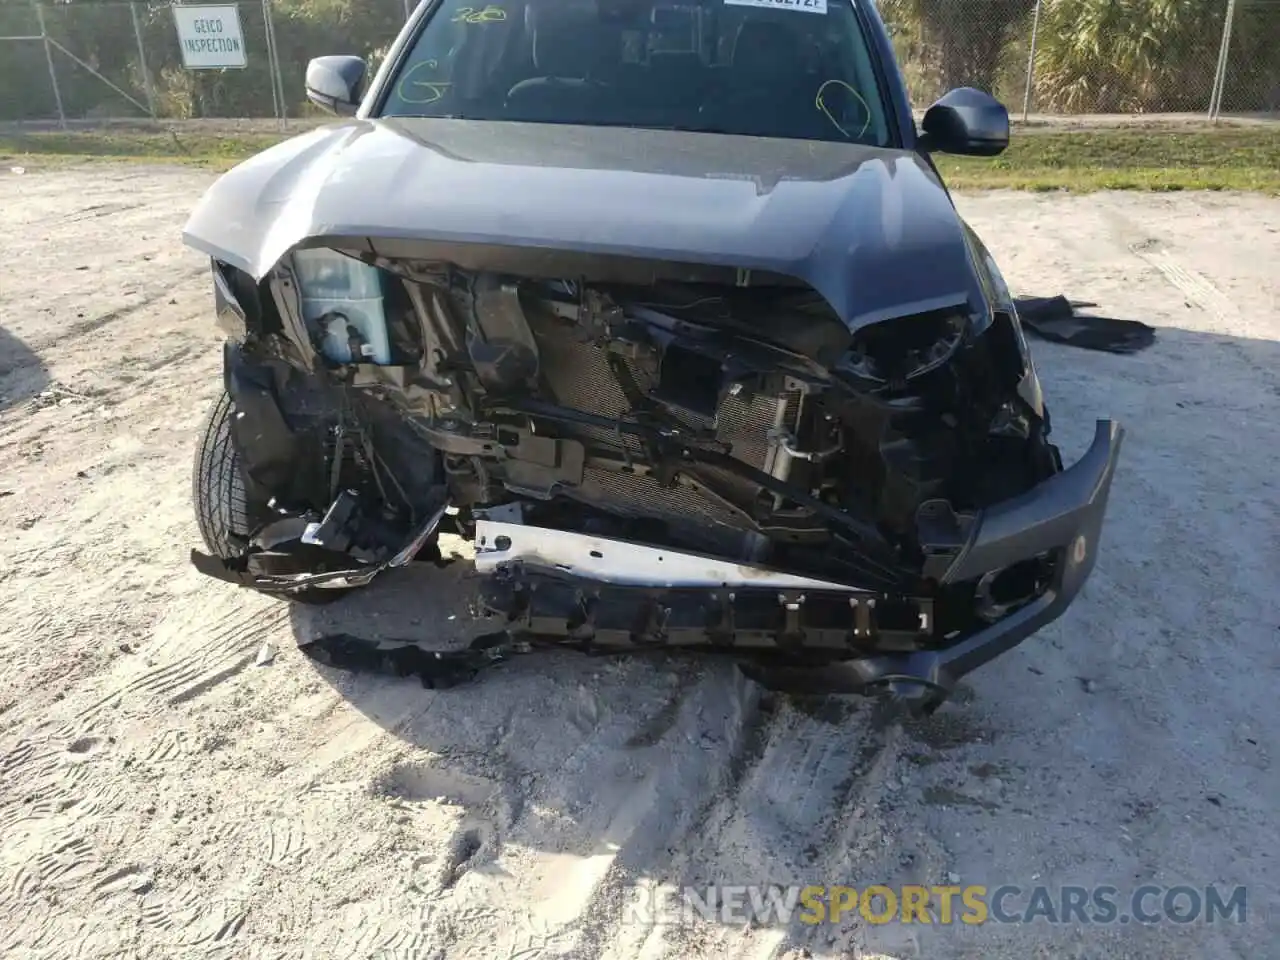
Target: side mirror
(334,83)
(966,121)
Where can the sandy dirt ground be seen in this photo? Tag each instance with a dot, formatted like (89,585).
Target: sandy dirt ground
(164,794)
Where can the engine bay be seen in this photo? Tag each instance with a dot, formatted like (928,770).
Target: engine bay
(742,421)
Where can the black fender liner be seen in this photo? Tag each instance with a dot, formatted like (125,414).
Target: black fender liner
(270,449)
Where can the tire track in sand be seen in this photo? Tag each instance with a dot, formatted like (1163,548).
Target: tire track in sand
(1199,291)
(59,863)
(632,804)
(60,825)
(795,802)
(185,918)
(56,771)
(203,644)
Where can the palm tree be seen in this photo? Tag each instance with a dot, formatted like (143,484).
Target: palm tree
(943,44)
(1122,56)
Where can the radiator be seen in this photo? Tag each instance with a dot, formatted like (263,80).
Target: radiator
(579,375)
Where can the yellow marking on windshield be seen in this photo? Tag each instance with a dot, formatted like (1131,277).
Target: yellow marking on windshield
(820,103)
(431,90)
(489,14)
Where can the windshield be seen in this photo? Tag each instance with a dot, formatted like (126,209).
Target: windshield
(771,68)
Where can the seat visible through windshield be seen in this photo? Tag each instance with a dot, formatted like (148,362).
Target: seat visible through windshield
(786,68)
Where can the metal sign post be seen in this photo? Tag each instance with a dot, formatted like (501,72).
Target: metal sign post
(53,74)
(273,63)
(1224,55)
(142,60)
(1031,63)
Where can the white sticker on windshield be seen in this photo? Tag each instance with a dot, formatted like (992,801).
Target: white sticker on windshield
(808,6)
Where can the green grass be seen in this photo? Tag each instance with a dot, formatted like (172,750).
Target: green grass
(1226,158)
(219,151)
(1229,158)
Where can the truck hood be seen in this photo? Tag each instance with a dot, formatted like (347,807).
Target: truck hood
(872,230)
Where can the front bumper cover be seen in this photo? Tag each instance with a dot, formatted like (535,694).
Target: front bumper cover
(1063,515)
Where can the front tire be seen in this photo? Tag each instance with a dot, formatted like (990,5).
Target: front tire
(217,486)
(224,511)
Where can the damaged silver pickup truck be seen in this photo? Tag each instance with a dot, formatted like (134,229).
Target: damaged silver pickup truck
(668,308)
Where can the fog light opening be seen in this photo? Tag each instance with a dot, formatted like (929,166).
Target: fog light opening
(1000,591)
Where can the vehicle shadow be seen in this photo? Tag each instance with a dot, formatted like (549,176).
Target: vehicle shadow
(657,764)
(22,373)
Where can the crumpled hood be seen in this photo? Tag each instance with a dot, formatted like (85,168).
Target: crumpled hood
(872,230)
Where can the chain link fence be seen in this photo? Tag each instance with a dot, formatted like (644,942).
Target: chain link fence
(88,60)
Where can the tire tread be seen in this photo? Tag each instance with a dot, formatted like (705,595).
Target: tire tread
(217,487)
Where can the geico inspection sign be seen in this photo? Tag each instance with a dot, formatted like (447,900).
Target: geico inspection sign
(210,36)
